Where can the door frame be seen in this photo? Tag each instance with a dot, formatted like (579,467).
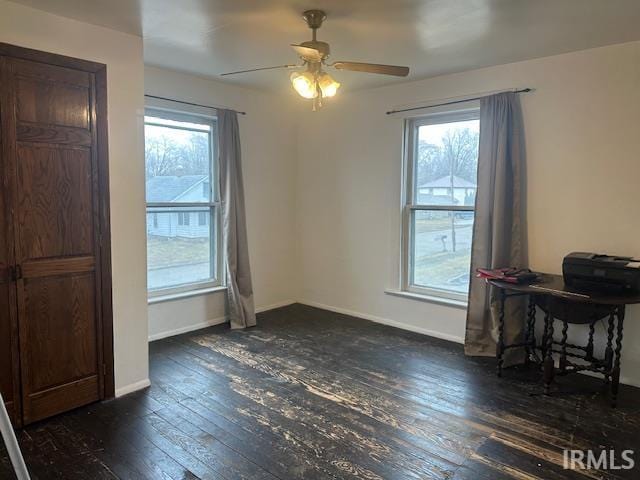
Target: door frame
(99,71)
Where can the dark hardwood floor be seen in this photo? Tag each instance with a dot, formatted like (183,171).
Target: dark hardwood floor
(312,394)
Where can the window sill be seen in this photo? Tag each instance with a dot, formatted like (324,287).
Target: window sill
(179,296)
(428,298)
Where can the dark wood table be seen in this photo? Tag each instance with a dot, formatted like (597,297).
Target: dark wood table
(560,302)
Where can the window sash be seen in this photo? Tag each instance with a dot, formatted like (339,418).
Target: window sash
(214,193)
(213,206)
(215,252)
(411,127)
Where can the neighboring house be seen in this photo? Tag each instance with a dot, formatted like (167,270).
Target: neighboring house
(174,189)
(464,191)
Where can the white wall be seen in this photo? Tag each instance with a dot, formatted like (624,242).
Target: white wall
(583,145)
(122,54)
(268,161)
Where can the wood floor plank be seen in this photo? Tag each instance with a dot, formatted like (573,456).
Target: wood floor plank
(355,426)
(483,413)
(317,434)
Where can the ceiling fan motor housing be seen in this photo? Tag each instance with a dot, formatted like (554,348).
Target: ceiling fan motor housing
(322,47)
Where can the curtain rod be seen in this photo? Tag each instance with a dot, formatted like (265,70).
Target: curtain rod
(193,104)
(524,90)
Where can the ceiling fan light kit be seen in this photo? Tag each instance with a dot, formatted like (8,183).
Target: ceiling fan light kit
(312,82)
(310,85)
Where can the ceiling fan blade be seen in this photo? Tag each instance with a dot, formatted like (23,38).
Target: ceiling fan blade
(258,69)
(372,68)
(308,53)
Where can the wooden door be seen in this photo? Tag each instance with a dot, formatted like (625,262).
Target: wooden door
(9,362)
(52,137)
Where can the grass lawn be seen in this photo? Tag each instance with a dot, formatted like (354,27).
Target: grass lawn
(437,270)
(168,252)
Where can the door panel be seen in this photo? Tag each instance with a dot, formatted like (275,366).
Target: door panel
(59,330)
(55,215)
(37,102)
(56,238)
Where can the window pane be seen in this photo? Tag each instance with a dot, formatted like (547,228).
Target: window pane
(441,249)
(446,163)
(179,248)
(178,160)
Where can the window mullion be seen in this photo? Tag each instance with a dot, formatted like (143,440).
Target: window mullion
(445,208)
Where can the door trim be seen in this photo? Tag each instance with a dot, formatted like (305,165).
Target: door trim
(101,118)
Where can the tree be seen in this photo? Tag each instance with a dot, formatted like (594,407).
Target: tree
(460,151)
(169,153)
(428,162)
(161,156)
(456,157)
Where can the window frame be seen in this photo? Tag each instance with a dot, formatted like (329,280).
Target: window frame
(213,207)
(411,126)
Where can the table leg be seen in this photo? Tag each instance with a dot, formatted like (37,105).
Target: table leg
(530,335)
(545,337)
(563,356)
(592,330)
(615,374)
(500,346)
(608,353)
(548,359)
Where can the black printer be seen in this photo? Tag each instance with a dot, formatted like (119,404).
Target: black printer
(602,273)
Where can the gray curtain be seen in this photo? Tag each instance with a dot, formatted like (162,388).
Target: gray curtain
(234,225)
(499,231)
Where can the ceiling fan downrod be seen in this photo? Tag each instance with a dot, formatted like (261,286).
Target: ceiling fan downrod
(314,19)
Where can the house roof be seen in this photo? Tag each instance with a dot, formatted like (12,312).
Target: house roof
(445,182)
(168,188)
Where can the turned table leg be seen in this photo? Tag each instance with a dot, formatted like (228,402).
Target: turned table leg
(592,330)
(615,373)
(563,356)
(530,334)
(548,359)
(500,346)
(608,353)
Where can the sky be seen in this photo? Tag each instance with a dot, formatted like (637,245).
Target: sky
(433,133)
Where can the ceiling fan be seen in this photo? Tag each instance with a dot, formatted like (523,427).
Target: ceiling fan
(313,82)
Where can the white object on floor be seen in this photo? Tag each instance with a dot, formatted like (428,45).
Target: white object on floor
(11,443)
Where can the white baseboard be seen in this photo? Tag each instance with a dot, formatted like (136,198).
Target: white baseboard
(210,323)
(275,305)
(132,387)
(188,328)
(386,321)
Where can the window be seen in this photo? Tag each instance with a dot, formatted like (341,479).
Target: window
(441,163)
(181,168)
(184,218)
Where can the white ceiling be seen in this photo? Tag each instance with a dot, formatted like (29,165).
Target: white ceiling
(433,37)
